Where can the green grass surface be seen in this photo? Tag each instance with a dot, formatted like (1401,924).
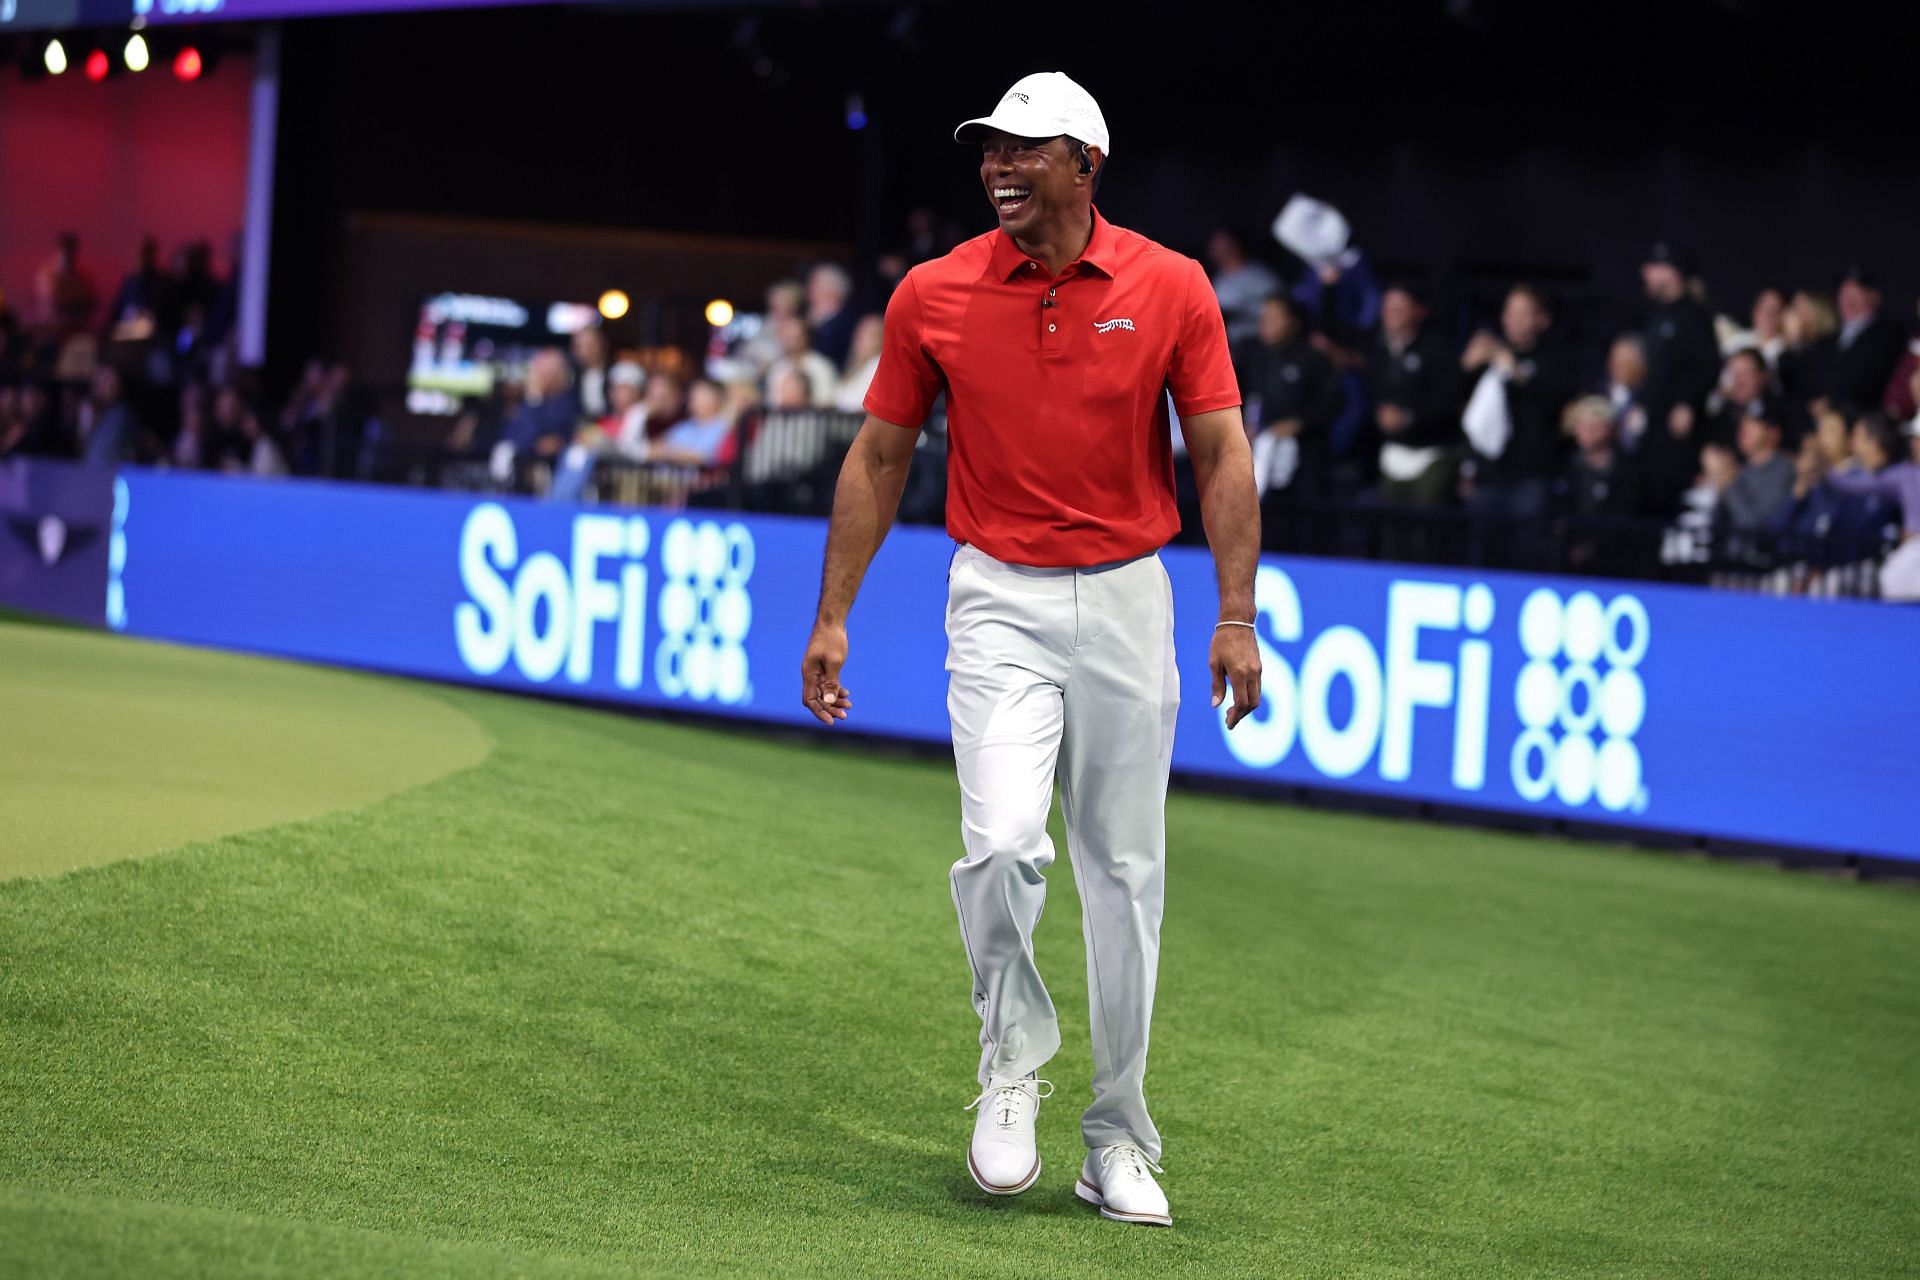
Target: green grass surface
(629,998)
(113,749)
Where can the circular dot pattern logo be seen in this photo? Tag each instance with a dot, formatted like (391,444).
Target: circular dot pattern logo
(1581,699)
(704,611)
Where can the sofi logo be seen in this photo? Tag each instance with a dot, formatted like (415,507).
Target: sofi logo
(556,618)
(1579,680)
(1581,699)
(1386,690)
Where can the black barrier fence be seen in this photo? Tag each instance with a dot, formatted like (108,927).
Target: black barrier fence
(788,464)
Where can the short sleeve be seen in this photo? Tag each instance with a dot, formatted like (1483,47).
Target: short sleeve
(1200,375)
(907,381)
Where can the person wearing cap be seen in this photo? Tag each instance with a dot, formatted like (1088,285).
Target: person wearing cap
(1683,362)
(1056,339)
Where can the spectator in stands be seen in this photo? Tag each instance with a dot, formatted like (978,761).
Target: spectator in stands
(1764,331)
(1900,481)
(1683,356)
(229,445)
(797,353)
(697,439)
(590,362)
(1861,356)
(1410,375)
(1902,398)
(37,430)
(551,412)
(620,433)
(862,362)
(830,313)
(109,432)
(1763,482)
(1532,380)
(787,390)
(322,424)
(1625,387)
(1291,395)
(262,453)
(189,448)
(1820,524)
(1342,300)
(1240,284)
(65,289)
(1744,392)
(784,300)
(624,426)
(1598,487)
(144,307)
(1806,360)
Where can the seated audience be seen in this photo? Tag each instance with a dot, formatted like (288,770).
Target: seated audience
(797,354)
(1763,481)
(1900,480)
(1240,283)
(1598,482)
(863,361)
(697,439)
(1291,397)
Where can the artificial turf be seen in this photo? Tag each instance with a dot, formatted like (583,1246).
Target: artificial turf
(632,998)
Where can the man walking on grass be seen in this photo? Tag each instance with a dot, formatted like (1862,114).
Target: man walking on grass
(1056,339)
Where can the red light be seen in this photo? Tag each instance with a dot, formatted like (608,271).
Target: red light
(97,65)
(187,64)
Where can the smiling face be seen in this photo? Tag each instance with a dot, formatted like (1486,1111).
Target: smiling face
(1029,180)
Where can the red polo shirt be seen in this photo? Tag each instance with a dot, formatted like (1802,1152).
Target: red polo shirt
(1058,448)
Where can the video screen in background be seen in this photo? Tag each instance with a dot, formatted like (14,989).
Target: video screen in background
(466,344)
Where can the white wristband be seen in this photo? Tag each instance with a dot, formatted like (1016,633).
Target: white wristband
(1231,623)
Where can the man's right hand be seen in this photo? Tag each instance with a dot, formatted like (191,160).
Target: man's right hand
(820,689)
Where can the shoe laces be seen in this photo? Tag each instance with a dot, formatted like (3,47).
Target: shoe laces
(1131,1159)
(1001,1097)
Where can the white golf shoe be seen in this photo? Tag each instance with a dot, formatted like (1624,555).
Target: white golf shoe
(1119,1179)
(1003,1158)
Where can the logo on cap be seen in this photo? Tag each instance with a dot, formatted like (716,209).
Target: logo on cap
(1023,97)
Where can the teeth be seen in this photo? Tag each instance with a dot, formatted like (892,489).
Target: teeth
(1010,193)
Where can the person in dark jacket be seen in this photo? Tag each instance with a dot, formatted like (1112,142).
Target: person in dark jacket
(1683,358)
(1598,481)
(1745,391)
(1857,361)
(1536,381)
(1290,389)
(1416,409)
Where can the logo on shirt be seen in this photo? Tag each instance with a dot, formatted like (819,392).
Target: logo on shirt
(1108,326)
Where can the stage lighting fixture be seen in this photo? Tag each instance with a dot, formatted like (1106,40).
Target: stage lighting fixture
(856,112)
(719,313)
(137,56)
(187,64)
(98,66)
(56,58)
(614,304)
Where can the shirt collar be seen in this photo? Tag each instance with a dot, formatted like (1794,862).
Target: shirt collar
(1008,258)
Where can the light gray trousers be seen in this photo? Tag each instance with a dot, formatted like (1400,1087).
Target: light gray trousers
(1067,675)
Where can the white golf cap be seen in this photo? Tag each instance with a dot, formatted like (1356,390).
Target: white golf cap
(1312,230)
(1045,104)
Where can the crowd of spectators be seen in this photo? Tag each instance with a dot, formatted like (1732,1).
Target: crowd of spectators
(1786,430)
(574,411)
(148,374)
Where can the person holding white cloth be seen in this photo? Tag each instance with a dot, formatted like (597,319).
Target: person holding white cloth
(1055,339)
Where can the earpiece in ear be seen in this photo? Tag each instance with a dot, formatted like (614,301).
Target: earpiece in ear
(1086,161)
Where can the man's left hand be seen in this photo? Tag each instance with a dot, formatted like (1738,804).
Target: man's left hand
(1234,658)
